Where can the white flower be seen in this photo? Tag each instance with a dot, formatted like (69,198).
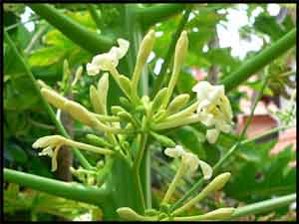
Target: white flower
(109,60)
(50,143)
(214,109)
(190,160)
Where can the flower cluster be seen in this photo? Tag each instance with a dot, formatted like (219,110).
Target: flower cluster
(213,109)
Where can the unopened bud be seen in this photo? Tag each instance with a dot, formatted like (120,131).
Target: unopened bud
(219,214)
(95,100)
(103,86)
(127,213)
(80,113)
(163,140)
(177,103)
(158,100)
(146,47)
(125,84)
(116,109)
(181,49)
(78,75)
(216,184)
(54,98)
(98,141)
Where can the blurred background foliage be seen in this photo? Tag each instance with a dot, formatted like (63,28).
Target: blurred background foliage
(257,175)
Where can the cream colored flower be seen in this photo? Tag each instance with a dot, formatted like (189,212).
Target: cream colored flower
(53,143)
(50,143)
(214,109)
(190,160)
(108,61)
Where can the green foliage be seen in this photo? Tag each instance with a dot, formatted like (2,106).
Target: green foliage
(260,175)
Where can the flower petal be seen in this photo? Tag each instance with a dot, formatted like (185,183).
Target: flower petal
(174,152)
(206,170)
(212,135)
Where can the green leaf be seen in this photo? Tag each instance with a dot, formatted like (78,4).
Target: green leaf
(259,175)
(46,56)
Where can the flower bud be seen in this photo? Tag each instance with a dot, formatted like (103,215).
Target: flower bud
(177,103)
(181,49)
(103,86)
(218,214)
(158,100)
(125,102)
(127,213)
(179,56)
(125,84)
(54,98)
(160,115)
(80,113)
(78,75)
(146,47)
(163,140)
(116,109)
(216,184)
(98,141)
(95,100)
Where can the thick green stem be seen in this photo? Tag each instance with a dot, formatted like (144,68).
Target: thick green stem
(264,206)
(88,40)
(136,167)
(95,15)
(163,73)
(254,64)
(47,107)
(73,191)
(151,15)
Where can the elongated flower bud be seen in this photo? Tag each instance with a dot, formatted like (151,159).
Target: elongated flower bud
(95,100)
(80,113)
(145,49)
(179,56)
(116,109)
(216,184)
(53,98)
(218,214)
(158,100)
(163,140)
(125,84)
(177,103)
(98,141)
(127,213)
(78,75)
(103,86)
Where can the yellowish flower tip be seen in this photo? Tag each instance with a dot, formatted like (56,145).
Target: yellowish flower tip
(219,182)
(128,214)
(219,214)
(146,47)
(78,75)
(53,97)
